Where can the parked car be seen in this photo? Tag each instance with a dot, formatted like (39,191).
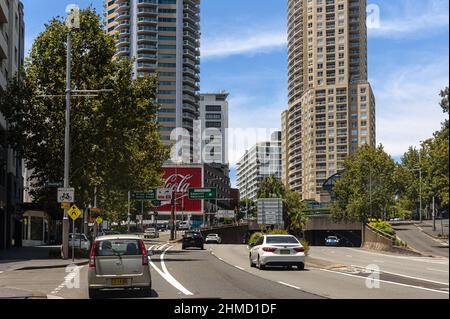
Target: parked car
(184,225)
(193,239)
(79,241)
(213,238)
(118,262)
(332,241)
(277,250)
(151,233)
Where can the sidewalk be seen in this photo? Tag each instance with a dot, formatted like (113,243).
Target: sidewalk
(28,258)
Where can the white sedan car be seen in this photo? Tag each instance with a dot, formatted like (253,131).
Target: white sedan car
(277,250)
(213,238)
(79,241)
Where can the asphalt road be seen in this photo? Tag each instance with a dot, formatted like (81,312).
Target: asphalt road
(223,272)
(420,241)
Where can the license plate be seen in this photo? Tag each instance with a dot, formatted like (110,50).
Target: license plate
(285,252)
(119,282)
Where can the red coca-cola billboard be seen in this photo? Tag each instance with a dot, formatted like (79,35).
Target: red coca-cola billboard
(180,179)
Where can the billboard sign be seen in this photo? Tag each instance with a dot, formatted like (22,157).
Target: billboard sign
(180,179)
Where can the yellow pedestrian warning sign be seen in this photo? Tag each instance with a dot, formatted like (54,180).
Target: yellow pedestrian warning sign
(74,212)
(99,220)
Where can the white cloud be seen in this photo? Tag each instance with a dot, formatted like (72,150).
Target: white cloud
(243,43)
(408,104)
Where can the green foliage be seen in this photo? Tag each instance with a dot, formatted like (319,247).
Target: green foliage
(367,184)
(115,144)
(254,238)
(305,245)
(252,208)
(382,226)
(278,232)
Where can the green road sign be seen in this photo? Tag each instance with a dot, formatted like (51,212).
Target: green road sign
(53,184)
(150,195)
(202,193)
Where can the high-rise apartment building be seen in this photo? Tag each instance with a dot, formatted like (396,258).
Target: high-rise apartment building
(260,161)
(331,109)
(162,36)
(12,35)
(214,126)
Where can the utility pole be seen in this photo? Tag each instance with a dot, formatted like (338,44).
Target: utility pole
(434,213)
(172,217)
(420,186)
(129,211)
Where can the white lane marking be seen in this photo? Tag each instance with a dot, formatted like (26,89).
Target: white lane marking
(288,285)
(349,256)
(167,276)
(162,247)
(240,268)
(410,277)
(1,272)
(444,271)
(421,259)
(54,297)
(379,261)
(385,281)
(221,259)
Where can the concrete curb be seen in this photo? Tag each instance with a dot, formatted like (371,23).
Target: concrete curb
(81,263)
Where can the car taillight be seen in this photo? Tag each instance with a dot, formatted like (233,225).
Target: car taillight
(144,254)
(92,257)
(269,249)
(299,249)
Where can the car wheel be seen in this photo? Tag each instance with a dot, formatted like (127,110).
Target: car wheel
(259,265)
(183,247)
(93,294)
(252,265)
(301,266)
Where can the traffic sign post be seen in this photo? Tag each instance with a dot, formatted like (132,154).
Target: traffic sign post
(74,213)
(66,195)
(202,193)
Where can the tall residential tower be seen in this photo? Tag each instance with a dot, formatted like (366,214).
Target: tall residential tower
(162,36)
(331,109)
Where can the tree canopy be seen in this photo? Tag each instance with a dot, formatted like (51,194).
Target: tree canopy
(115,144)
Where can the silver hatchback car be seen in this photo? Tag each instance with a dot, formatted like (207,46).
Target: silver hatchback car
(118,262)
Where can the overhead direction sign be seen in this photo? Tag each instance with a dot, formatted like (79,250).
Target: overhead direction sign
(202,193)
(150,195)
(74,212)
(66,195)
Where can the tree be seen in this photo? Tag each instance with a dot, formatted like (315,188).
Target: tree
(247,204)
(271,187)
(115,144)
(366,186)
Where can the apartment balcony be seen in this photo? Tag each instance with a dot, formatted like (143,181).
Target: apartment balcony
(4,12)
(3,47)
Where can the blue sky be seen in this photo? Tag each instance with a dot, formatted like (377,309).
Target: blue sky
(244,52)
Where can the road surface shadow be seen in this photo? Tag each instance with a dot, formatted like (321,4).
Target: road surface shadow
(125,294)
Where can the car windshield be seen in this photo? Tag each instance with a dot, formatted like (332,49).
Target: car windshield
(281,240)
(213,235)
(332,237)
(119,247)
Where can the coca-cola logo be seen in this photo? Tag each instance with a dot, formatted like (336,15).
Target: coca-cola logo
(179,183)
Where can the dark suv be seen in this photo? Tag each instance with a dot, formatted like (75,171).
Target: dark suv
(193,239)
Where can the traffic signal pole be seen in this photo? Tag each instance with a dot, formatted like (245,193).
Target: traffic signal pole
(172,217)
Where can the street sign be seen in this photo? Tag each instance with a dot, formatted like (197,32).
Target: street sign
(65,205)
(99,220)
(270,211)
(202,193)
(66,195)
(164,194)
(53,184)
(150,195)
(74,212)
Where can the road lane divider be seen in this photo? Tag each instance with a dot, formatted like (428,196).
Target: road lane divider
(164,273)
(288,285)
(384,281)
